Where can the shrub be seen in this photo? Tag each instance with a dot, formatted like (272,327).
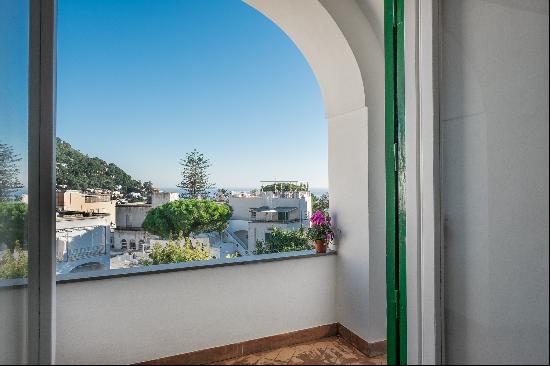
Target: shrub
(174,252)
(13,220)
(13,263)
(284,241)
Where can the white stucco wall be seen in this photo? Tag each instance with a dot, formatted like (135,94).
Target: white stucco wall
(356,161)
(160,198)
(131,216)
(241,205)
(129,235)
(494,120)
(13,325)
(343,43)
(132,319)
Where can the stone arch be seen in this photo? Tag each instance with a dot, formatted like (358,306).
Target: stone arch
(341,42)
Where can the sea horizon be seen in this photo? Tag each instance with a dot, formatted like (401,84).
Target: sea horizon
(316,191)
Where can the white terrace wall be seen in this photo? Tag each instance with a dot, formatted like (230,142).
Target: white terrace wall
(13,324)
(133,319)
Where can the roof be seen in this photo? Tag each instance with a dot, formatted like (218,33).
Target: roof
(276,209)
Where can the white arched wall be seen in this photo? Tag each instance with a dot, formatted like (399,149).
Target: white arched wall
(343,43)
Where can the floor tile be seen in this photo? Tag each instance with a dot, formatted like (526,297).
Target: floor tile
(325,351)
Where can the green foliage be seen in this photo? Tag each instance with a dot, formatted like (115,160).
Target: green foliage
(187,216)
(195,182)
(76,170)
(320,203)
(13,263)
(320,232)
(13,223)
(173,252)
(232,256)
(321,227)
(9,173)
(285,187)
(284,241)
(222,194)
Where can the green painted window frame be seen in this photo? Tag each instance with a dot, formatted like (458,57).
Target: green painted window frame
(395,182)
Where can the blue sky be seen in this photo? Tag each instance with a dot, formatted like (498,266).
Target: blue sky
(13,78)
(142,82)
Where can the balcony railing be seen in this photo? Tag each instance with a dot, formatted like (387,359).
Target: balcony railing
(290,221)
(82,253)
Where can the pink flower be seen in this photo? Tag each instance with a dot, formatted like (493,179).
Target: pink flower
(318,218)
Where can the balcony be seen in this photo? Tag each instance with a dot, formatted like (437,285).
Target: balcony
(175,312)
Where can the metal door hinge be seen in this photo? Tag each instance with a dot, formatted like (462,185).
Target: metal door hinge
(395,156)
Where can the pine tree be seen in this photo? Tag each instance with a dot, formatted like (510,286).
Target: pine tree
(9,172)
(195,180)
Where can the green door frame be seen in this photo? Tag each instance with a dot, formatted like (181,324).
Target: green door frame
(395,182)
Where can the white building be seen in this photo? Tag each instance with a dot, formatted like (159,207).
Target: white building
(96,203)
(82,243)
(159,198)
(129,234)
(255,216)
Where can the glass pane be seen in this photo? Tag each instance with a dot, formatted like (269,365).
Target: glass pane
(143,129)
(14,25)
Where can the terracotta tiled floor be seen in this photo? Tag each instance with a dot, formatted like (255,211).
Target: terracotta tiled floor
(327,351)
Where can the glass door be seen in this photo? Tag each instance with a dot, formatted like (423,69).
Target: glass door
(14,199)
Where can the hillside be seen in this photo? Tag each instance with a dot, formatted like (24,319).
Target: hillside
(76,170)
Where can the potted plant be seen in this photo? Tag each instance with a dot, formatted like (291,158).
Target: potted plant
(321,231)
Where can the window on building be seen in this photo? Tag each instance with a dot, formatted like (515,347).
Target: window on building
(132,244)
(123,244)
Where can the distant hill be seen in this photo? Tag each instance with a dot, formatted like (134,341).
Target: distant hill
(76,170)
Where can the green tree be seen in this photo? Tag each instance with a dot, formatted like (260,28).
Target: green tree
(9,172)
(222,194)
(13,263)
(285,187)
(284,241)
(195,180)
(13,220)
(147,188)
(75,170)
(320,203)
(174,252)
(187,216)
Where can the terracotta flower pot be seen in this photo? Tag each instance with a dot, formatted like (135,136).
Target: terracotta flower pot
(320,246)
